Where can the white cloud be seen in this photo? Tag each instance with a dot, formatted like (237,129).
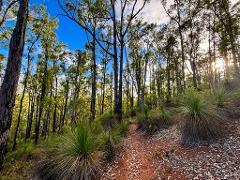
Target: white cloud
(153,12)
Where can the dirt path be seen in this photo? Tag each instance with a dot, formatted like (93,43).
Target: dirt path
(162,157)
(133,163)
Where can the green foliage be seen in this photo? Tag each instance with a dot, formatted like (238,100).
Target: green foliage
(114,135)
(75,156)
(201,120)
(221,97)
(122,127)
(107,120)
(111,139)
(154,120)
(23,152)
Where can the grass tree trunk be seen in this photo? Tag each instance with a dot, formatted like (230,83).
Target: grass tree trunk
(10,81)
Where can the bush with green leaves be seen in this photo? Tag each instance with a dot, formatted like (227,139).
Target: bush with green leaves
(25,150)
(107,120)
(201,121)
(110,139)
(221,97)
(75,156)
(154,120)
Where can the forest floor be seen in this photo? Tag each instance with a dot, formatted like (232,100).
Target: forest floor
(162,157)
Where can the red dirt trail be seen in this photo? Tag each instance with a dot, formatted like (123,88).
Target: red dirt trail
(138,160)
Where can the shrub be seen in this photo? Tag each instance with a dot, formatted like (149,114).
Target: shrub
(201,121)
(153,120)
(76,156)
(221,97)
(107,120)
(122,127)
(24,151)
(111,138)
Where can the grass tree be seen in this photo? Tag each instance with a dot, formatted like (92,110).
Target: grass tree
(201,121)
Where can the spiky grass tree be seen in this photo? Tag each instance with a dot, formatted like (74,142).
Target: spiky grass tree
(222,97)
(76,156)
(201,121)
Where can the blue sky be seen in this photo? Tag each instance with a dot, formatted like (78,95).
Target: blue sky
(68,32)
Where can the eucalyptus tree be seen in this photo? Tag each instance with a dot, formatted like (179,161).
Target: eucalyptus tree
(193,24)
(223,27)
(88,15)
(175,12)
(126,20)
(104,62)
(58,60)
(31,41)
(140,53)
(228,19)
(10,81)
(76,73)
(6,10)
(48,43)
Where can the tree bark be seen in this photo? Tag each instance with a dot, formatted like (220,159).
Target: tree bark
(42,98)
(115,58)
(23,93)
(55,107)
(30,117)
(10,81)
(65,105)
(94,80)
(103,87)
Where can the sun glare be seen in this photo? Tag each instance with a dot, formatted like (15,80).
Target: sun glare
(219,66)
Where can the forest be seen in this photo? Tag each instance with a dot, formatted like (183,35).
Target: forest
(119,89)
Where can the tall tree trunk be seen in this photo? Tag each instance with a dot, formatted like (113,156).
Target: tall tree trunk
(182,45)
(226,65)
(103,87)
(20,112)
(10,81)
(132,100)
(76,95)
(210,69)
(23,93)
(65,105)
(46,120)
(115,57)
(42,98)
(128,93)
(30,117)
(143,88)
(168,69)
(94,80)
(55,107)
(120,78)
